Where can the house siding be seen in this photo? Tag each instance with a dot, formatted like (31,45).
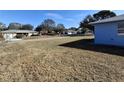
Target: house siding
(107,33)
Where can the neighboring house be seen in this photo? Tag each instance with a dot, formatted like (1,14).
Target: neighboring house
(79,30)
(110,31)
(11,34)
(71,32)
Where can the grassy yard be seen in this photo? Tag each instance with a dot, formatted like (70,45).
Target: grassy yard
(61,59)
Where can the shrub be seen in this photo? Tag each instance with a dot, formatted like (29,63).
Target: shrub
(1,36)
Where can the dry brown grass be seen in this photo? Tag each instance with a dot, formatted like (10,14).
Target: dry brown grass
(47,60)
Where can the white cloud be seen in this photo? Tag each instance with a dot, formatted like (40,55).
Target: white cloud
(58,16)
(55,15)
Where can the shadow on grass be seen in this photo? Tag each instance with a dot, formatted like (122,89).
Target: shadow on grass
(88,44)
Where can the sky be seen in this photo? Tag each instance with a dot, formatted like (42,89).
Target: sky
(70,18)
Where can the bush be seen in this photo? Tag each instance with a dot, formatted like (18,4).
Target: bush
(84,30)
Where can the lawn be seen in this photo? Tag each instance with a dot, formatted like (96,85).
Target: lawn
(61,59)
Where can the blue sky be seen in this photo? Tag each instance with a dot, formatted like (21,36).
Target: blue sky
(70,18)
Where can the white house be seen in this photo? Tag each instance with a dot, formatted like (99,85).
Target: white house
(71,32)
(10,35)
(110,31)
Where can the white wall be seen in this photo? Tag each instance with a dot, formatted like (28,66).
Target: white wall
(29,34)
(107,34)
(8,36)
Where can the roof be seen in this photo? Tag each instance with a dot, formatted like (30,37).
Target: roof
(71,30)
(112,19)
(18,31)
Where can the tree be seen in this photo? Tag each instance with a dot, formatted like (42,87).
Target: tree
(85,23)
(88,19)
(27,27)
(103,15)
(60,28)
(15,26)
(39,29)
(2,26)
(95,17)
(48,25)
(73,28)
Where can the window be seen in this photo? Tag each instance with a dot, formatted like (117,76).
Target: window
(121,28)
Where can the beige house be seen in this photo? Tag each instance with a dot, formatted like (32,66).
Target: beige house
(10,35)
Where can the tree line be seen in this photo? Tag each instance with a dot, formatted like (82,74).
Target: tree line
(47,26)
(50,26)
(15,26)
